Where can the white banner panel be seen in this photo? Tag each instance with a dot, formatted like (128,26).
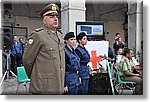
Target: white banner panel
(101,48)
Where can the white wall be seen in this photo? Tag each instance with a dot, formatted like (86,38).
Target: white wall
(113,27)
(75,16)
(30,24)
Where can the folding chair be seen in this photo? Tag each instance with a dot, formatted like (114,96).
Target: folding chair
(124,84)
(22,77)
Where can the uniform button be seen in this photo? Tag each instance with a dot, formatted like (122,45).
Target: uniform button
(51,48)
(62,69)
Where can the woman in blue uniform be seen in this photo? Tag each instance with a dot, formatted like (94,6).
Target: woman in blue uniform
(72,65)
(84,60)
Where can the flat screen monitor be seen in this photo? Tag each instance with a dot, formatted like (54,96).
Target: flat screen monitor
(94,30)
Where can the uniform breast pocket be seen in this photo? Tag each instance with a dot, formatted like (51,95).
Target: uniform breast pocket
(73,62)
(84,55)
(51,52)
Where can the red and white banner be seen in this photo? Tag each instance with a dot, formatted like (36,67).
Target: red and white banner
(97,48)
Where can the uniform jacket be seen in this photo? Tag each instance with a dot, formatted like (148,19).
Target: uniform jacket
(72,67)
(44,62)
(16,49)
(125,64)
(84,60)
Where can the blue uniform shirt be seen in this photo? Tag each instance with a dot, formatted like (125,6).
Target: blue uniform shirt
(72,67)
(84,60)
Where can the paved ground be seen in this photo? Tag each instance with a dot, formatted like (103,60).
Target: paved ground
(9,87)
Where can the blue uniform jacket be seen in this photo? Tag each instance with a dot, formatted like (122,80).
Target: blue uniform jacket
(84,60)
(16,49)
(72,67)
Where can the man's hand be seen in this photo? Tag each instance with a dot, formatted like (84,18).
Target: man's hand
(8,55)
(138,75)
(80,80)
(65,89)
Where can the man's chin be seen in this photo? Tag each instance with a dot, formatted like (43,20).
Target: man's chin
(56,26)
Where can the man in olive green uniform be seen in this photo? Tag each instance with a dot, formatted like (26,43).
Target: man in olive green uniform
(126,71)
(44,56)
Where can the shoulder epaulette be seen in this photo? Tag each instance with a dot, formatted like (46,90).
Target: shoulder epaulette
(59,31)
(39,29)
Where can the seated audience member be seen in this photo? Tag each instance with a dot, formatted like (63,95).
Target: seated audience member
(119,55)
(126,68)
(136,64)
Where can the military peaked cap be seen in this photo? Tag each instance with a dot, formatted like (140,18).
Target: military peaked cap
(51,9)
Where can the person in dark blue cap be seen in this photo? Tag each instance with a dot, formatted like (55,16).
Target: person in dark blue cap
(84,60)
(72,65)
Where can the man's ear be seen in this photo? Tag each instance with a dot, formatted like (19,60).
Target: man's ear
(128,54)
(44,21)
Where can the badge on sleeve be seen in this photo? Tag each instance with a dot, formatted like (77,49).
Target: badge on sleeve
(30,41)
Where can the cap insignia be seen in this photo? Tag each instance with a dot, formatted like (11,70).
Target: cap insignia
(54,7)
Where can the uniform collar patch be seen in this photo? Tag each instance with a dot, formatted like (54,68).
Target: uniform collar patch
(30,41)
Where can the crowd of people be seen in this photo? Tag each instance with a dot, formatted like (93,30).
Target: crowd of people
(129,68)
(56,66)
(13,54)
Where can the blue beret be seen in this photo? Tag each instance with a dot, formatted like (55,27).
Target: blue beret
(80,36)
(69,35)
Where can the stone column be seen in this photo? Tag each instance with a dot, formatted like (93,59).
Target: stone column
(132,6)
(135,25)
(139,26)
(71,12)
